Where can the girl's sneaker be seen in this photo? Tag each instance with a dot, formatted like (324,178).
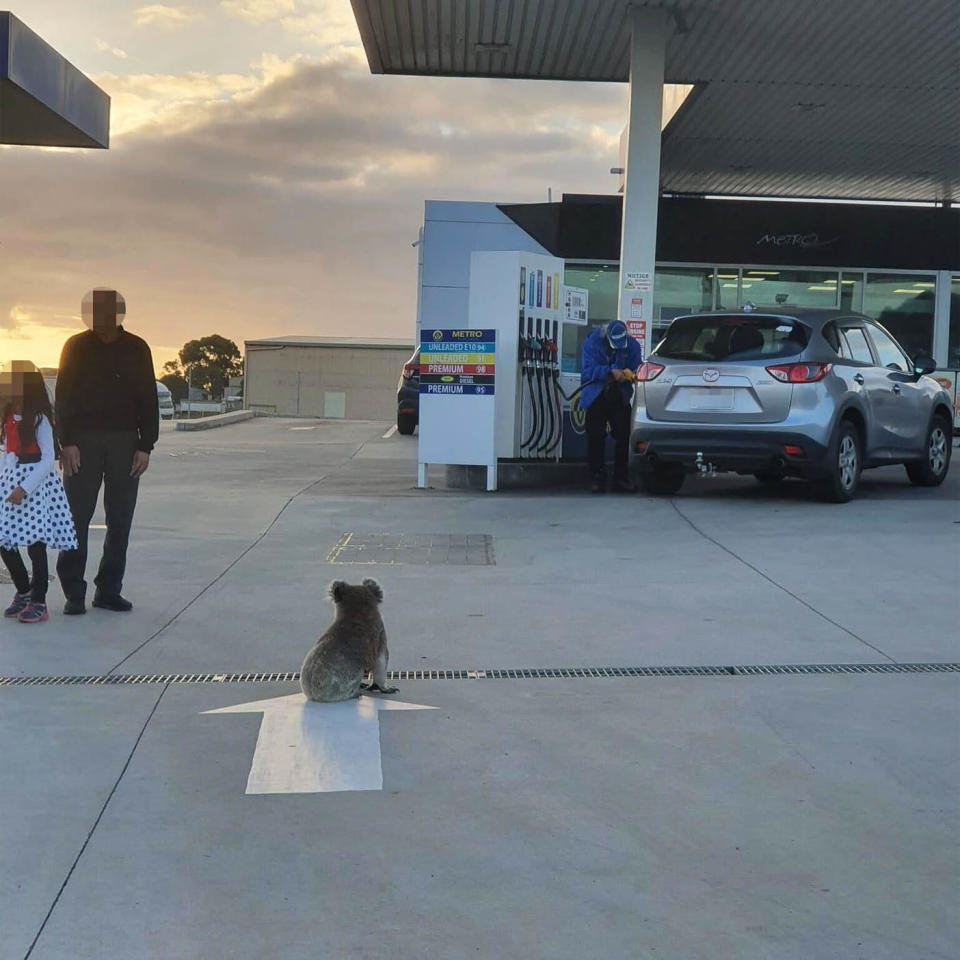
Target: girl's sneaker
(20,603)
(34,613)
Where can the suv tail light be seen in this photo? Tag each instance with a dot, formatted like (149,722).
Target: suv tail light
(409,369)
(649,371)
(799,372)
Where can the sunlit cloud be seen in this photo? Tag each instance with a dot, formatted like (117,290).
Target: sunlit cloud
(16,317)
(228,200)
(324,23)
(321,23)
(37,343)
(105,47)
(165,16)
(169,101)
(259,11)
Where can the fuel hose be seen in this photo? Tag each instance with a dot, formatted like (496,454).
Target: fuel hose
(532,350)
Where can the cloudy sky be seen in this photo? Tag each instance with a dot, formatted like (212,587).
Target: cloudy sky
(260,182)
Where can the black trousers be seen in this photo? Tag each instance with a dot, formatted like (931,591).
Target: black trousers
(13,561)
(105,459)
(615,411)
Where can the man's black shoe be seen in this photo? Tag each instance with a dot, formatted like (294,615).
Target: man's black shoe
(624,486)
(599,485)
(73,608)
(115,603)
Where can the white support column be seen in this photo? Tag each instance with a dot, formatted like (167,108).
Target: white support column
(941,319)
(641,193)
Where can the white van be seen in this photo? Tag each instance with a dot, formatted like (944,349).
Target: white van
(165,400)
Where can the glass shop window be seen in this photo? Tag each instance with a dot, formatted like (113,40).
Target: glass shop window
(904,304)
(953,348)
(601,280)
(678,291)
(789,288)
(851,292)
(728,285)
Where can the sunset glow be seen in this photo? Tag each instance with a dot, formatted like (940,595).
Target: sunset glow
(260,181)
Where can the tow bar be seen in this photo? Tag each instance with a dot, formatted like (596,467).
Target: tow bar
(705,470)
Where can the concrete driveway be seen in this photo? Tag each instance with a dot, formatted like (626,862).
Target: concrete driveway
(575,812)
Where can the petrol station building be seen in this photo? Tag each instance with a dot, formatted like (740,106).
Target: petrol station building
(848,108)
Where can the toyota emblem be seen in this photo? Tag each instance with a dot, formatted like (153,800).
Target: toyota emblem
(711,376)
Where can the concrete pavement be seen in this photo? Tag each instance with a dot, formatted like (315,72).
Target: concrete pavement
(748,817)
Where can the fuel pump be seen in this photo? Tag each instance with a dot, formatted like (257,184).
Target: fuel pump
(508,295)
(553,387)
(540,394)
(552,415)
(525,385)
(533,350)
(548,425)
(540,365)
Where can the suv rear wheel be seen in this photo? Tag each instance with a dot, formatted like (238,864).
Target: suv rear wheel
(844,463)
(664,479)
(931,470)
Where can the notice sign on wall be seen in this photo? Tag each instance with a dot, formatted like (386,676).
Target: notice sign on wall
(457,420)
(640,281)
(458,362)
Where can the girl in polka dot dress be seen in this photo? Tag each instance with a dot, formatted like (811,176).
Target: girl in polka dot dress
(33,507)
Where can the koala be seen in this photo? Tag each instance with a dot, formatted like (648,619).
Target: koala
(355,644)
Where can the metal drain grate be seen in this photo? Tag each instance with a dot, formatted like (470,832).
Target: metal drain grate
(535,673)
(423,549)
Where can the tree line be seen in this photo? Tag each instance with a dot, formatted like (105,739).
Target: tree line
(206,364)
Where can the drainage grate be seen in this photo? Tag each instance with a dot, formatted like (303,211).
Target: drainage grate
(423,549)
(535,673)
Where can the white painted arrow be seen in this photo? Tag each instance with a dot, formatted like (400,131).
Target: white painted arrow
(306,747)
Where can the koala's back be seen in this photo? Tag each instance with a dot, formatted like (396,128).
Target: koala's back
(335,666)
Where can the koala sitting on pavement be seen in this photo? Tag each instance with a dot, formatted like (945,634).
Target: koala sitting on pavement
(355,644)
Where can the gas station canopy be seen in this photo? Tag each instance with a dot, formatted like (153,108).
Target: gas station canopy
(851,99)
(45,100)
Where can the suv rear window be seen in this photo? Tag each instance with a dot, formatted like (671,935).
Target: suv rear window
(733,337)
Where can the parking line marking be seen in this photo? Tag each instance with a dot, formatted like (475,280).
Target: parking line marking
(389,433)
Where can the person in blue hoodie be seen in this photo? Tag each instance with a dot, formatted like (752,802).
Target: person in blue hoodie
(610,359)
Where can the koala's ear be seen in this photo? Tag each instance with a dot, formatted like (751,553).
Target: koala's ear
(337,590)
(374,588)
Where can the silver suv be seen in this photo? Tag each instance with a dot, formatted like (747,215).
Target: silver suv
(818,394)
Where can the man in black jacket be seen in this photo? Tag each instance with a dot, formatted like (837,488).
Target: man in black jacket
(108,421)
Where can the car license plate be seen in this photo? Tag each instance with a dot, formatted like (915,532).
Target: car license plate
(711,398)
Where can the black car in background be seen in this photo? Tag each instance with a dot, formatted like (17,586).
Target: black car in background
(408,395)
